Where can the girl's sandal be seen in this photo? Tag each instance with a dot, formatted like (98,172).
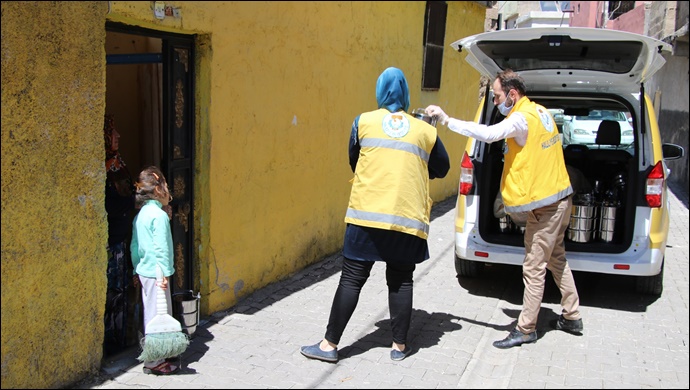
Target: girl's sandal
(164,368)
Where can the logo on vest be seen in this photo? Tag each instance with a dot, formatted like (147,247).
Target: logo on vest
(396,125)
(545,119)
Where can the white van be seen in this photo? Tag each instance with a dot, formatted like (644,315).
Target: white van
(593,80)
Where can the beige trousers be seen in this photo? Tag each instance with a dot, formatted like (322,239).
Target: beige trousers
(544,249)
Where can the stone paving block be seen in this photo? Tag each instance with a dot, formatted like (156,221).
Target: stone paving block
(443,380)
(583,382)
(613,384)
(457,367)
(526,385)
(549,381)
(415,383)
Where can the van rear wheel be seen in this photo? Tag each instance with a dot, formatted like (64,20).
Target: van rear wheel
(651,285)
(468,268)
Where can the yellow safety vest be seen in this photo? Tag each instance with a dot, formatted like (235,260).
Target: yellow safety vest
(390,189)
(534,175)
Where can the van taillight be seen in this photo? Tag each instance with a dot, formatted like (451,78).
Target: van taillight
(466,175)
(655,185)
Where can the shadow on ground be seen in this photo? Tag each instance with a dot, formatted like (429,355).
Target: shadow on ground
(596,290)
(426,330)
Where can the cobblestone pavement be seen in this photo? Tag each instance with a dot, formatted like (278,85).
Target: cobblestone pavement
(630,340)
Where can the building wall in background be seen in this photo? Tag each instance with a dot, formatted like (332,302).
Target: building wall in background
(666,21)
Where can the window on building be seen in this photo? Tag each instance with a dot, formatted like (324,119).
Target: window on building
(548,5)
(618,8)
(434,34)
(557,6)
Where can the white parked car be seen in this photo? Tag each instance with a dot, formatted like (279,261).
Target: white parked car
(582,129)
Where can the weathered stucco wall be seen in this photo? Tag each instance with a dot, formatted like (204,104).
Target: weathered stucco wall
(278,85)
(53,220)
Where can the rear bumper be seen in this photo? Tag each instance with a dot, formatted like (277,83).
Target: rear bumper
(640,260)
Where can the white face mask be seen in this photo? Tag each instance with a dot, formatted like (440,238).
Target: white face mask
(503,109)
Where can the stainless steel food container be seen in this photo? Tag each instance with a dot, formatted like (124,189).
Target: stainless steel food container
(581,223)
(579,235)
(504,224)
(607,222)
(420,113)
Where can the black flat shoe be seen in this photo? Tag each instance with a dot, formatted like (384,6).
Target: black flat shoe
(516,338)
(400,355)
(315,352)
(570,326)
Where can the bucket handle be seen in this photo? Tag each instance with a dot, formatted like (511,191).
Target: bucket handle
(197,296)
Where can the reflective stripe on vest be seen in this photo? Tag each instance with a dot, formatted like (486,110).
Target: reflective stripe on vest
(387,218)
(397,145)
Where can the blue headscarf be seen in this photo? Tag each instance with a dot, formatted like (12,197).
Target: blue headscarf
(392,92)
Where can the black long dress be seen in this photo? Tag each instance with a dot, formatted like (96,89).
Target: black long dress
(118,204)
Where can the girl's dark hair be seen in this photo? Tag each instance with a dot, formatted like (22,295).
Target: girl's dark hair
(151,185)
(511,80)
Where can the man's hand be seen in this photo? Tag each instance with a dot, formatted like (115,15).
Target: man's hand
(437,112)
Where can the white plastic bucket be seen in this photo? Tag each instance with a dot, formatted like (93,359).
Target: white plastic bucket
(186,310)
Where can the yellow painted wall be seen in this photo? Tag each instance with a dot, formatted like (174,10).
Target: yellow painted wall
(278,85)
(54,229)
(285,80)
(289,95)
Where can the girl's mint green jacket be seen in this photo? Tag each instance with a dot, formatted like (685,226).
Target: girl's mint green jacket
(152,241)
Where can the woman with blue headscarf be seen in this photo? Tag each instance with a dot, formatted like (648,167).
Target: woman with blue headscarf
(393,156)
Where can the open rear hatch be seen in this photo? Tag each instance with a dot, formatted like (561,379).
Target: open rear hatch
(567,58)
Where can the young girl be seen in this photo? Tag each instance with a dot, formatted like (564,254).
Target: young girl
(152,247)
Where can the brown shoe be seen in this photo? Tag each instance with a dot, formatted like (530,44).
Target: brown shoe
(164,368)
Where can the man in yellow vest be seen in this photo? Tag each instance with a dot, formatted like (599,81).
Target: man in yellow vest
(393,156)
(535,181)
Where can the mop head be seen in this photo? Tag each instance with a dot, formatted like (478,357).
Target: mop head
(163,345)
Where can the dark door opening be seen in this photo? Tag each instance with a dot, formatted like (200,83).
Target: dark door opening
(150,95)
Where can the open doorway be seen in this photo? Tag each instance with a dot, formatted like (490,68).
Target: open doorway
(134,77)
(149,101)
